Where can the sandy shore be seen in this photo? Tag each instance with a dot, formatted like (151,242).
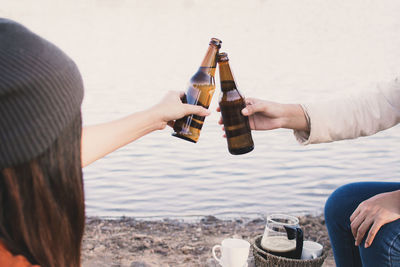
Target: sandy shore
(137,243)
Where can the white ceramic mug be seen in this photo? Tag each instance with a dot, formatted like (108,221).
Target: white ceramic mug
(234,252)
(311,250)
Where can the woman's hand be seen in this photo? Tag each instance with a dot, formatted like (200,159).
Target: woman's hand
(99,140)
(171,108)
(372,214)
(266,115)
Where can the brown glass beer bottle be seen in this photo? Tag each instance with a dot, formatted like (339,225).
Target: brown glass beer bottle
(231,103)
(200,92)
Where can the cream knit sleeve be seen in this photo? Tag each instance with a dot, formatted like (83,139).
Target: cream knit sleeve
(351,117)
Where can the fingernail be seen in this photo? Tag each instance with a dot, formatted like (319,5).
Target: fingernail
(366,244)
(245,111)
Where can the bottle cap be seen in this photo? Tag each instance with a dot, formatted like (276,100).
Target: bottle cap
(222,57)
(217,42)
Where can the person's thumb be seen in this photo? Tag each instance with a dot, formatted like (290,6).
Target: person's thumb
(251,109)
(198,110)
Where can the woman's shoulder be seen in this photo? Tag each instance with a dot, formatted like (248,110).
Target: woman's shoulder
(10,260)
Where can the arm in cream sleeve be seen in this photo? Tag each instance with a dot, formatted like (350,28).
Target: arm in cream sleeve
(346,118)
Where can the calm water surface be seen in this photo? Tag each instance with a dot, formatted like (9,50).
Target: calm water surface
(131,52)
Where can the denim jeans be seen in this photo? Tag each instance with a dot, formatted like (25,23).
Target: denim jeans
(385,248)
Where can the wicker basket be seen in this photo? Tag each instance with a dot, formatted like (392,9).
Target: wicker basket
(265,259)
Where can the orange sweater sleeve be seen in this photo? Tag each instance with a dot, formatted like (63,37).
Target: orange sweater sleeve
(9,260)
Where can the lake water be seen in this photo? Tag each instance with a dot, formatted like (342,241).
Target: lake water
(131,52)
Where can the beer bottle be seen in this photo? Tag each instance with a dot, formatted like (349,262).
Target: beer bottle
(231,103)
(200,91)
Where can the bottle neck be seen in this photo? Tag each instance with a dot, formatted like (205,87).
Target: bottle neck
(226,76)
(209,63)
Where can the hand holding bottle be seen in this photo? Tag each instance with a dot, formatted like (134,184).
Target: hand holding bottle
(101,139)
(171,108)
(267,115)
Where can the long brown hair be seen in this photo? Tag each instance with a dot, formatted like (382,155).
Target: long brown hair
(42,203)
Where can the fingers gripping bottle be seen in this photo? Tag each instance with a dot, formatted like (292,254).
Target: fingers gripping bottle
(231,103)
(200,92)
